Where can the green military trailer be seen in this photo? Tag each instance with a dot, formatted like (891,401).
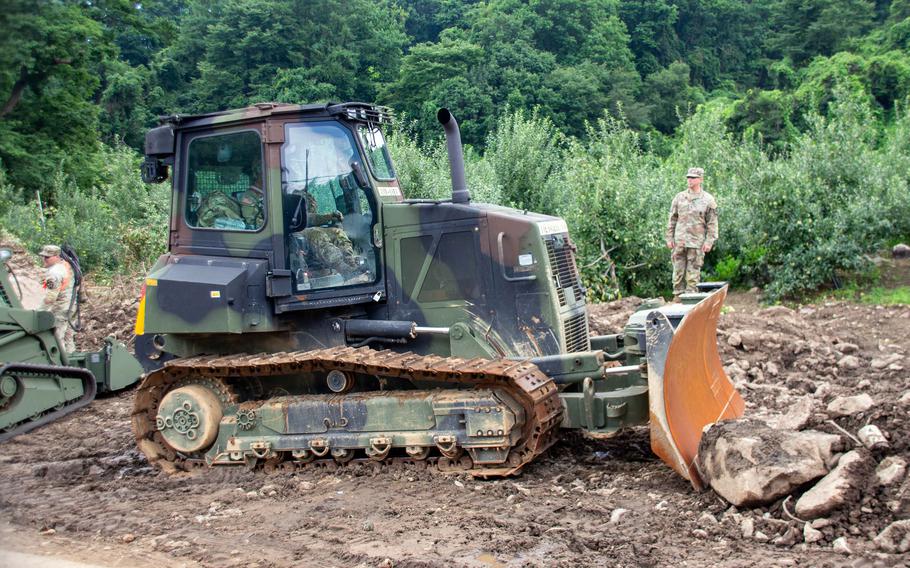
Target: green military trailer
(315,314)
(39,381)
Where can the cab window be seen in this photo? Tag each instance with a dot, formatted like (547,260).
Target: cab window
(224,182)
(377,152)
(329,218)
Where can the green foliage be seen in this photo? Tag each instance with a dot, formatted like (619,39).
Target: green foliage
(876,295)
(589,109)
(790,224)
(119,223)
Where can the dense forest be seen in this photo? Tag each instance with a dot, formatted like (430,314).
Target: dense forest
(590,109)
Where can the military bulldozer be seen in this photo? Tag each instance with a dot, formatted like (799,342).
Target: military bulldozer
(316,316)
(39,381)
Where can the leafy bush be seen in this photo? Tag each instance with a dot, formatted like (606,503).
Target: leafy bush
(790,222)
(119,224)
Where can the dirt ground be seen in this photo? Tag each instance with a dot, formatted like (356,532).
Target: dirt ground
(79,488)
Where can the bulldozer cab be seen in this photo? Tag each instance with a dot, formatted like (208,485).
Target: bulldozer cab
(298,186)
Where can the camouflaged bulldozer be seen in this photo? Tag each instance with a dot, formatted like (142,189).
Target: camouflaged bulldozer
(314,313)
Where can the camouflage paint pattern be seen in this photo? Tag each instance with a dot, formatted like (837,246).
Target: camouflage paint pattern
(502,281)
(692,224)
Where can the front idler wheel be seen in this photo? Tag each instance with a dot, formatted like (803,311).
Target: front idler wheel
(188,418)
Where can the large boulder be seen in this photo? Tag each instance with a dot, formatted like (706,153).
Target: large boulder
(895,538)
(900,251)
(842,485)
(748,463)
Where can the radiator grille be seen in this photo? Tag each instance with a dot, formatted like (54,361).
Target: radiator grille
(565,273)
(576,330)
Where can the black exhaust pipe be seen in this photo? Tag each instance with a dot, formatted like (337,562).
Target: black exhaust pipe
(460,193)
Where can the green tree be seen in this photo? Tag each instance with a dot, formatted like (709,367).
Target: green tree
(49,54)
(669,96)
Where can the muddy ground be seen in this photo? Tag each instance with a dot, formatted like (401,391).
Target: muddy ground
(79,488)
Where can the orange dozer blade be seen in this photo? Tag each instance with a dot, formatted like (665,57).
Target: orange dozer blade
(687,386)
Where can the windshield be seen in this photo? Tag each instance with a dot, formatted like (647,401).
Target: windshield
(328,215)
(376,151)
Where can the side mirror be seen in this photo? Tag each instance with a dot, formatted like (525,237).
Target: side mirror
(5,255)
(153,171)
(360,175)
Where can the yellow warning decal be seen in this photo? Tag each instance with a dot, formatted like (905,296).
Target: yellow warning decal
(151,281)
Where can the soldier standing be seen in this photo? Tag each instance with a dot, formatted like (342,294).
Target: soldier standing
(691,232)
(58,282)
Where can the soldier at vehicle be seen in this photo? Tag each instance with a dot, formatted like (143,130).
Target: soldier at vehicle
(326,247)
(242,212)
(58,282)
(691,232)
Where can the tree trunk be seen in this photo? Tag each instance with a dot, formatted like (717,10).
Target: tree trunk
(16,94)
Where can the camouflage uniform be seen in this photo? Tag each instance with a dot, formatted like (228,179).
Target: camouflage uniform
(221,211)
(251,207)
(58,282)
(325,247)
(692,224)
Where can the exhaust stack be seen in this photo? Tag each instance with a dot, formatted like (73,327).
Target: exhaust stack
(460,193)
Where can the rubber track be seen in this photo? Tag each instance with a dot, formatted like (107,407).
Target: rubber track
(527,384)
(89,386)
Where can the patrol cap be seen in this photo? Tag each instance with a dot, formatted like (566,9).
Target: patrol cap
(695,173)
(49,250)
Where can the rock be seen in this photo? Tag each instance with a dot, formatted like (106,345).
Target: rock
(747,527)
(776,311)
(849,405)
(900,250)
(708,521)
(849,362)
(872,437)
(905,398)
(96,471)
(810,534)
(838,487)
(772,368)
(367,525)
(821,523)
(891,470)
(617,515)
(790,537)
(306,486)
(700,533)
(895,538)
(748,463)
(48,532)
(798,415)
(734,340)
(840,546)
(847,348)
(751,340)
(760,536)
(128,538)
(886,360)
(901,505)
